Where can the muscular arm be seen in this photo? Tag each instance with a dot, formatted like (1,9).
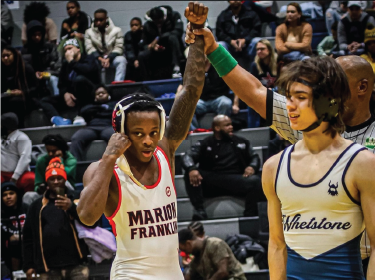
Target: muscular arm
(277,254)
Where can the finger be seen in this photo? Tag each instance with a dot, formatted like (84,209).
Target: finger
(187,12)
(205,11)
(196,8)
(73,97)
(200,9)
(191,7)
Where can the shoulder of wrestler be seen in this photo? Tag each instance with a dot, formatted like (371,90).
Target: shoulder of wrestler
(361,170)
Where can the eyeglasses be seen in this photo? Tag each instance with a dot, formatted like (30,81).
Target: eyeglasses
(261,49)
(292,12)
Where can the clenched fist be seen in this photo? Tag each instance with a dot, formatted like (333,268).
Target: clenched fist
(196,13)
(117,145)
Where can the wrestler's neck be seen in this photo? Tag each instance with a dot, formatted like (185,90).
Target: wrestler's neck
(138,165)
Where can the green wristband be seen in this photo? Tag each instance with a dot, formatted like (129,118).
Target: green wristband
(222,60)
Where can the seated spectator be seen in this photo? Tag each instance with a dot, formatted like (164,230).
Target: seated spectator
(15,154)
(213,258)
(105,42)
(39,11)
(56,146)
(238,30)
(264,68)
(369,54)
(18,84)
(43,57)
(351,29)
(227,166)
(98,117)
(294,36)
(78,75)
(131,43)
(7,24)
(75,26)
(161,44)
(329,45)
(13,214)
(214,97)
(198,229)
(335,12)
(51,246)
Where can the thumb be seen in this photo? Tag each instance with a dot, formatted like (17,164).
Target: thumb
(187,12)
(73,97)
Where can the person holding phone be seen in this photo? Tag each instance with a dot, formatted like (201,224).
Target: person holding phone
(50,243)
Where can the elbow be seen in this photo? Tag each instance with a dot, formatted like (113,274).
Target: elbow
(85,217)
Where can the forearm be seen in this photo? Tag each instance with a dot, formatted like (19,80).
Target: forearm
(219,275)
(371,265)
(277,258)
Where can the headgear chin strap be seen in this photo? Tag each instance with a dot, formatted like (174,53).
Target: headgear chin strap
(326,108)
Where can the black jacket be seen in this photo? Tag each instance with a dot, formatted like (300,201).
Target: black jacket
(248,26)
(200,153)
(86,66)
(98,114)
(214,86)
(131,45)
(173,25)
(84,22)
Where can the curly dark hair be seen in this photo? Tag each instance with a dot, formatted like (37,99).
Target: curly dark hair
(36,11)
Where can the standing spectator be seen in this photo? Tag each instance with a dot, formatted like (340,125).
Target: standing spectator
(77,79)
(264,68)
(105,42)
(75,26)
(15,154)
(131,43)
(213,258)
(50,243)
(7,25)
(98,117)
(43,57)
(227,166)
(335,12)
(161,43)
(351,29)
(293,37)
(329,45)
(13,214)
(39,11)
(238,30)
(369,54)
(18,84)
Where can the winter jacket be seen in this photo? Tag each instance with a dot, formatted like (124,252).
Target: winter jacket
(248,26)
(172,25)
(131,44)
(114,41)
(84,22)
(98,114)
(201,153)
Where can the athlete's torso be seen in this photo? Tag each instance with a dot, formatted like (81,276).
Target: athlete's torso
(322,222)
(145,225)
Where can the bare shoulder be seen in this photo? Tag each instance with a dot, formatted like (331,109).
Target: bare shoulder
(271,164)
(363,164)
(269,174)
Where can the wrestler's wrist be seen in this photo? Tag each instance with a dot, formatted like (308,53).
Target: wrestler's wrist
(212,48)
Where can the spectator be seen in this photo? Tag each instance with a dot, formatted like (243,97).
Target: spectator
(105,42)
(277,145)
(55,146)
(50,243)
(15,154)
(98,117)
(131,43)
(329,45)
(293,37)
(213,259)
(13,214)
(18,84)
(161,43)
(214,97)
(39,11)
(43,57)
(227,166)
(351,29)
(335,12)
(75,26)
(197,228)
(7,24)
(264,68)
(77,79)
(238,30)
(369,54)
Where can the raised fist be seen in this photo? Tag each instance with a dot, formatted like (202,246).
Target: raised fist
(196,13)
(117,144)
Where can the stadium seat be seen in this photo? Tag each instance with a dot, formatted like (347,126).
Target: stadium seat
(36,134)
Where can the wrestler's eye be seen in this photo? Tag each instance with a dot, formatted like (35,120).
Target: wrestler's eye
(154,133)
(138,134)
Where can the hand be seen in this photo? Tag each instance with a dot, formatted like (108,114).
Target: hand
(29,274)
(117,144)
(156,47)
(287,45)
(66,27)
(234,45)
(105,62)
(196,13)
(356,46)
(63,202)
(241,43)
(16,92)
(69,55)
(38,75)
(13,180)
(195,178)
(209,40)
(77,35)
(235,109)
(151,46)
(136,63)
(14,237)
(70,99)
(248,171)
(59,153)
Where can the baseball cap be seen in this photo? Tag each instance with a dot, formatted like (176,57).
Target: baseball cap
(354,3)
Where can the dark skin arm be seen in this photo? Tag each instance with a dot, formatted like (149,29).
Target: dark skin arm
(222,270)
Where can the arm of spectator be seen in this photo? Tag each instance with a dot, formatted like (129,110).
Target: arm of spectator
(305,45)
(128,47)
(70,164)
(118,49)
(236,104)
(64,29)
(27,241)
(277,254)
(40,171)
(221,270)
(84,67)
(24,150)
(323,45)
(341,36)
(192,156)
(220,32)
(280,40)
(87,112)
(255,29)
(254,157)
(90,49)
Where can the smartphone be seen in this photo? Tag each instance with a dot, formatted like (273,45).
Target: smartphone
(60,191)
